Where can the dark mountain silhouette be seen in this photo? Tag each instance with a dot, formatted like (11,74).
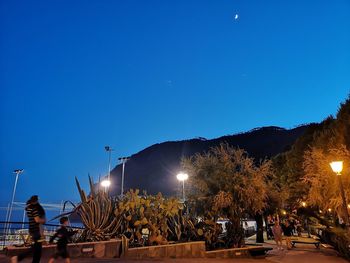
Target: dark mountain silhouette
(154,169)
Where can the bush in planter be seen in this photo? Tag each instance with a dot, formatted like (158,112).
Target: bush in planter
(160,216)
(339,238)
(138,215)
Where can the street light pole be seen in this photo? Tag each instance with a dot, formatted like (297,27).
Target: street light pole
(17,172)
(109,150)
(344,204)
(183,190)
(337,167)
(107,182)
(123,161)
(182,177)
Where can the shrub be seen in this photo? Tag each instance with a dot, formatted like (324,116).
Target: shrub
(338,238)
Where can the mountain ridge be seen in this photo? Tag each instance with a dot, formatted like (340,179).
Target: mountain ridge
(154,168)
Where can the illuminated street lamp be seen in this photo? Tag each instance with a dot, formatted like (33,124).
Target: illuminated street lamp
(337,167)
(182,177)
(106,184)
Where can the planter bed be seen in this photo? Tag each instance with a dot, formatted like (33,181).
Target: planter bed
(101,249)
(243,252)
(193,250)
(179,250)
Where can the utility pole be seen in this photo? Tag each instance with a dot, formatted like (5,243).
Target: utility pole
(123,160)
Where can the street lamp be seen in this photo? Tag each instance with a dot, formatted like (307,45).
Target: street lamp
(106,183)
(109,150)
(17,172)
(337,167)
(123,160)
(182,177)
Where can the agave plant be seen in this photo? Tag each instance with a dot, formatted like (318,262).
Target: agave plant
(97,214)
(141,219)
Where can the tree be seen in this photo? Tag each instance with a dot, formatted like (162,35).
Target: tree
(228,183)
(324,185)
(288,166)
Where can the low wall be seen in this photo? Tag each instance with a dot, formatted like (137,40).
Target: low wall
(101,249)
(112,249)
(193,250)
(180,250)
(230,253)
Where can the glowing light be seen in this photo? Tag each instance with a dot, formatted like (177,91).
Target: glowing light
(182,177)
(337,166)
(303,204)
(106,183)
(236,16)
(329,209)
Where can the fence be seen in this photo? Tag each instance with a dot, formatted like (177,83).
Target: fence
(16,233)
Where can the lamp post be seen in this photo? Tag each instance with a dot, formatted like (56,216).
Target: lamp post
(337,168)
(109,150)
(123,160)
(106,184)
(182,177)
(17,172)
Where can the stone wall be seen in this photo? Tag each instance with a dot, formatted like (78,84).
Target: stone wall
(112,249)
(229,253)
(180,250)
(101,249)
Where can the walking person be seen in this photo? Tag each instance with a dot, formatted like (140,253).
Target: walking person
(288,232)
(277,234)
(64,236)
(36,217)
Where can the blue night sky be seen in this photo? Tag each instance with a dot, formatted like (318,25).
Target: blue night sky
(78,75)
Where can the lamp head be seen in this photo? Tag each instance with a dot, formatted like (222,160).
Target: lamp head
(106,183)
(337,166)
(182,176)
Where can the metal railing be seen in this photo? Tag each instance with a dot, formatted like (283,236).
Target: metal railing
(17,234)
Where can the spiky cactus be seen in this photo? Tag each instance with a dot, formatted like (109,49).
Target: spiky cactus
(97,214)
(135,214)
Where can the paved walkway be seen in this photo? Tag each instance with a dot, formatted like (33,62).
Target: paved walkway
(300,254)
